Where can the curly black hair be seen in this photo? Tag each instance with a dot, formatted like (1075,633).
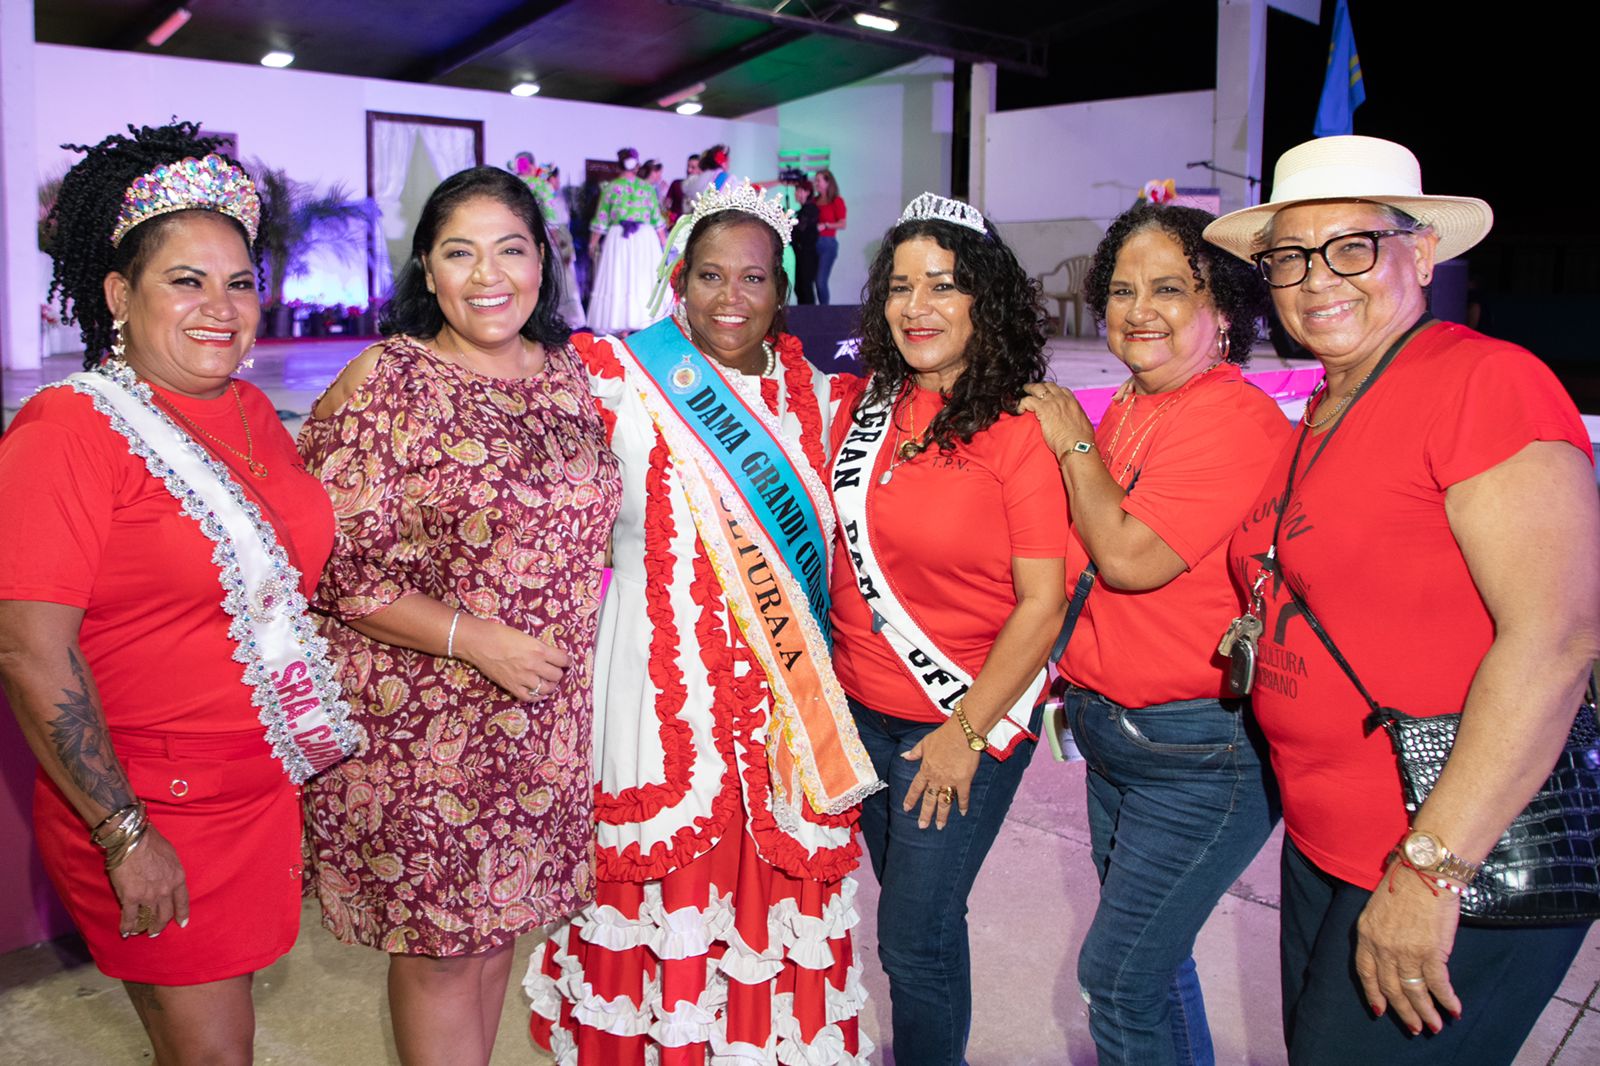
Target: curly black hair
(85,214)
(1237,290)
(722,220)
(415,311)
(1007,349)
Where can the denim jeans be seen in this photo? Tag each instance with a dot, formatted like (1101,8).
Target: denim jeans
(924,877)
(1503,976)
(827,252)
(1178,806)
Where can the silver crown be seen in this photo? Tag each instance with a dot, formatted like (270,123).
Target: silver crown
(734,196)
(942,209)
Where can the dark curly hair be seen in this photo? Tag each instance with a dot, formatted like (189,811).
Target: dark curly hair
(1007,349)
(413,310)
(722,220)
(85,214)
(1237,290)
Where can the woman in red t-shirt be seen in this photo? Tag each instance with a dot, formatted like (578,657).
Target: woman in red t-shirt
(948,586)
(1177,802)
(137,502)
(830,220)
(1439,522)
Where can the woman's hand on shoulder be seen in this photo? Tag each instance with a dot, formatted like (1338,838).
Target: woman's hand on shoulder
(523,665)
(351,378)
(1060,416)
(151,877)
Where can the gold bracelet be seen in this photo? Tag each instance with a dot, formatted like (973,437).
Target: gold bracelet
(974,741)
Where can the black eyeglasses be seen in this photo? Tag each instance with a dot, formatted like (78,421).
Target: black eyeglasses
(1347,255)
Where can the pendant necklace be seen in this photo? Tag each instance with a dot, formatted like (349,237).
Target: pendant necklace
(907,450)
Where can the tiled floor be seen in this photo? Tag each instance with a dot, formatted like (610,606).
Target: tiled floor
(324,1004)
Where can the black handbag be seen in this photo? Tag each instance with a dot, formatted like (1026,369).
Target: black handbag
(1545,868)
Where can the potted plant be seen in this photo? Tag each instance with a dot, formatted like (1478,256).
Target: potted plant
(295,220)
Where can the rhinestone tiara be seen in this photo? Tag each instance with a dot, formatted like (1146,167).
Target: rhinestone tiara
(208,184)
(734,196)
(930,206)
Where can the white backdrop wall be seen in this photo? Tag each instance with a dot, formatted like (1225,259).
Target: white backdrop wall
(1056,176)
(314,125)
(890,139)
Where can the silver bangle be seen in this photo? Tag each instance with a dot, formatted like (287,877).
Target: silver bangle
(450,641)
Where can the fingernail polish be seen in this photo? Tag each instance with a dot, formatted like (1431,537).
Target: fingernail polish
(184,924)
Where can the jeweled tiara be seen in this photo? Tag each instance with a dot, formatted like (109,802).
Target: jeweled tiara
(211,184)
(930,206)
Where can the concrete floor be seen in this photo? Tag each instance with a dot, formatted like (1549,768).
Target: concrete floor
(324,1004)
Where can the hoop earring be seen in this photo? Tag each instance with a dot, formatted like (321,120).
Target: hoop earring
(1224,345)
(119,347)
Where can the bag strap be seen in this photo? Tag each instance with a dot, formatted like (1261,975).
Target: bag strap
(1080,595)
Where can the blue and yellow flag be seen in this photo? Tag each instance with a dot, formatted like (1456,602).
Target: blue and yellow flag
(1342,90)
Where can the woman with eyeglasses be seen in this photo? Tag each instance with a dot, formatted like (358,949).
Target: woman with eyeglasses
(1435,516)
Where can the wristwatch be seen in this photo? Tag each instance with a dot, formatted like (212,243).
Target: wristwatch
(1428,854)
(974,740)
(1082,447)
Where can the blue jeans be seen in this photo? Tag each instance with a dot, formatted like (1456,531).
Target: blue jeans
(827,252)
(925,876)
(1178,806)
(1503,976)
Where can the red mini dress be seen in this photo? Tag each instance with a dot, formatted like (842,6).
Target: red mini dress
(83,523)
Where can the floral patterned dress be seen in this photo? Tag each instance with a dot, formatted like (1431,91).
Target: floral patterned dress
(466,816)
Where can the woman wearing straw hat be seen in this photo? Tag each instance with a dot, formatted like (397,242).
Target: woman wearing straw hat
(1428,539)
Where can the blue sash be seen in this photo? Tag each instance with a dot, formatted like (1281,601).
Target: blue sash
(742,446)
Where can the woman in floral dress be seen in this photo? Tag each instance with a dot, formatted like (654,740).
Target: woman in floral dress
(629,218)
(728,781)
(474,493)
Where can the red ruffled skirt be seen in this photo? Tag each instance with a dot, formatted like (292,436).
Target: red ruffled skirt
(725,960)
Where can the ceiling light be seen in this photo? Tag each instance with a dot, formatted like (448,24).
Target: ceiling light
(689,107)
(170,25)
(525,88)
(682,94)
(277,59)
(876,22)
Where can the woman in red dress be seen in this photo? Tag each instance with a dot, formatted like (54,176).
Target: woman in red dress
(158,535)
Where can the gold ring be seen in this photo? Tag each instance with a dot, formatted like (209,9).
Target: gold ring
(946,794)
(1413,980)
(145,920)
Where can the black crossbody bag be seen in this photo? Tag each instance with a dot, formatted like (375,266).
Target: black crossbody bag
(1545,868)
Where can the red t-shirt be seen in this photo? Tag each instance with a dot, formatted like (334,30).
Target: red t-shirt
(945,530)
(1367,543)
(83,523)
(1201,466)
(829,215)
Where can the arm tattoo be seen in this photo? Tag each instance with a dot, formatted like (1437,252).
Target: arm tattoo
(83,744)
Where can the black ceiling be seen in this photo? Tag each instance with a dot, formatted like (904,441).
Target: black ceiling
(630,52)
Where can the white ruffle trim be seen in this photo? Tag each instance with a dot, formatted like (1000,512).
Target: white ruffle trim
(791,935)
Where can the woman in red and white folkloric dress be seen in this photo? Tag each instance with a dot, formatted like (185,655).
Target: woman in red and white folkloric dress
(722,915)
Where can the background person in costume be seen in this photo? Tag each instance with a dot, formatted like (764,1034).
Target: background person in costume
(629,218)
(805,243)
(956,558)
(164,820)
(721,922)
(675,202)
(1441,526)
(1177,802)
(474,494)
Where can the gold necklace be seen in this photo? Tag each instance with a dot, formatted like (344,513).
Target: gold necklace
(256,467)
(1305,416)
(1143,432)
(904,453)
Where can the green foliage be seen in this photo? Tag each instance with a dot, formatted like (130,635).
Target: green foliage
(296,220)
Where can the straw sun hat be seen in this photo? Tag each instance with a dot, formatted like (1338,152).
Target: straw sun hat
(1356,168)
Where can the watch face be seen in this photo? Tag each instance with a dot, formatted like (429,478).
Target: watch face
(977,743)
(1422,850)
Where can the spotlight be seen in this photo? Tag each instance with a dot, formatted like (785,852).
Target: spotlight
(689,107)
(525,88)
(876,22)
(169,25)
(277,59)
(682,94)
